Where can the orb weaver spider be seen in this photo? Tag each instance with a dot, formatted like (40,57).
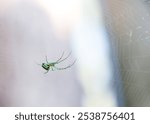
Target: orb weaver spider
(52,65)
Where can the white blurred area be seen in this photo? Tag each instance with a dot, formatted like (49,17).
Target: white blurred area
(108,38)
(91,46)
(33,29)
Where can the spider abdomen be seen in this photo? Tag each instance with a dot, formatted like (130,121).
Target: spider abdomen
(45,66)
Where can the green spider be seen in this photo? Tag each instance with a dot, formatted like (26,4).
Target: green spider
(52,65)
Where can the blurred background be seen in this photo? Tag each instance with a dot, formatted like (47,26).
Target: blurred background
(109,40)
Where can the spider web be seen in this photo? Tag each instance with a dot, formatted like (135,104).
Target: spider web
(129,33)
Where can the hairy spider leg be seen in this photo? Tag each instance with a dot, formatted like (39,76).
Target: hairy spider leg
(65,67)
(64,58)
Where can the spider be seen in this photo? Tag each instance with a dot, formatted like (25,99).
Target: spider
(52,65)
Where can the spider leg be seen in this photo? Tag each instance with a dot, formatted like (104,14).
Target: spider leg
(60,57)
(66,66)
(38,64)
(46,59)
(64,58)
(46,72)
(52,68)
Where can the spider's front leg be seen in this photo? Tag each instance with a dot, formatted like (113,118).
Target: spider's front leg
(61,60)
(60,57)
(66,66)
